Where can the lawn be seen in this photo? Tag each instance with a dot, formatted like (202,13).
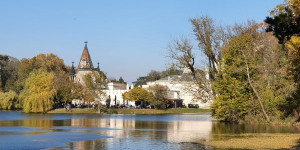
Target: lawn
(75,111)
(256,141)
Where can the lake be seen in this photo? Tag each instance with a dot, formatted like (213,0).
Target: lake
(94,131)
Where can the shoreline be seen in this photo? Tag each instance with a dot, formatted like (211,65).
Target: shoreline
(130,111)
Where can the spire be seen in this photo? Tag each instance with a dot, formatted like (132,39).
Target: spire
(98,68)
(85,60)
(72,72)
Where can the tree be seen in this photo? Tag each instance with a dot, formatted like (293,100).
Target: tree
(94,83)
(293,47)
(140,81)
(210,39)
(234,94)
(181,52)
(139,94)
(39,91)
(285,21)
(153,75)
(126,96)
(254,79)
(51,63)
(293,103)
(172,70)
(121,80)
(8,100)
(160,96)
(8,72)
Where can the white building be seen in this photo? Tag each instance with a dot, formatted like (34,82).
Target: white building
(114,91)
(181,89)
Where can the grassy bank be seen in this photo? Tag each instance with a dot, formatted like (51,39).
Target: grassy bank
(134,111)
(156,111)
(256,141)
(74,111)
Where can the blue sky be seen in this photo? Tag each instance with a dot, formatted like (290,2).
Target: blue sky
(128,38)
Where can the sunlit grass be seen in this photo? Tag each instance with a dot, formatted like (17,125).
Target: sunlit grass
(157,111)
(255,141)
(75,111)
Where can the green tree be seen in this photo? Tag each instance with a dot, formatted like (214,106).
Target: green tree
(153,75)
(172,70)
(140,81)
(121,80)
(39,91)
(253,71)
(293,103)
(285,21)
(8,72)
(234,93)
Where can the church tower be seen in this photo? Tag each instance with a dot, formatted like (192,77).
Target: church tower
(85,67)
(85,63)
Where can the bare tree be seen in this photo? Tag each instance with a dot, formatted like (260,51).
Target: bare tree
(209,40)
(181,51)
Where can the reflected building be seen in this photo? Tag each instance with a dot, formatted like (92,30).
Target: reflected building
(189,131)
(131,130)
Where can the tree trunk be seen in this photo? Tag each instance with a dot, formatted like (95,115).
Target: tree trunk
(253,88)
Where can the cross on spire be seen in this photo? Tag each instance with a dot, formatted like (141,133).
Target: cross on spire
(85,43)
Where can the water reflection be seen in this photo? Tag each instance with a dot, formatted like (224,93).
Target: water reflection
(38,131)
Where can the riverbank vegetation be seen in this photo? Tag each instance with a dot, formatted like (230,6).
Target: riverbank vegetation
(253,68)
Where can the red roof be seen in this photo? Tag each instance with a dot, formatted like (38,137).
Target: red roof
(85,60)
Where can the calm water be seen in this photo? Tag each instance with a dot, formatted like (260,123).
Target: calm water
(88,131)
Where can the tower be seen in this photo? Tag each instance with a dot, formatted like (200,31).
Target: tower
(85,67)
(72,72)
(85,63)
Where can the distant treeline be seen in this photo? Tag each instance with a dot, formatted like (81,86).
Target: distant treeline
(40,84)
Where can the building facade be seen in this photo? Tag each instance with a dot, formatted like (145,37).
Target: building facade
(114,92)
(181,90)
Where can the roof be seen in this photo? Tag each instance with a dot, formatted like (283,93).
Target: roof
(179,78)
(85,60)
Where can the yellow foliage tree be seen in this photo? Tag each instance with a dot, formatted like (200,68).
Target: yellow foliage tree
(295,6)
(39,91)
(138,94)
(293,46)
(8,100)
